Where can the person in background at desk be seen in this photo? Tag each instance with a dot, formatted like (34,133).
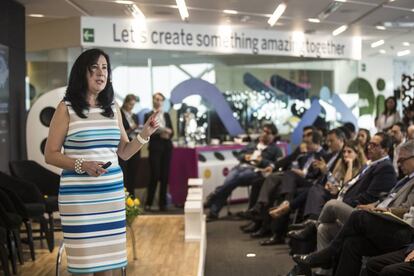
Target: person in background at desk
(160,147)
(131,125)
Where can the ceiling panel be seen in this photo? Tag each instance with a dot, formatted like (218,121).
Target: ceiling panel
(408,4)
(382,15)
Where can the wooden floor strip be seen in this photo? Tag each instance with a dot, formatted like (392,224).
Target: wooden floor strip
(161,251)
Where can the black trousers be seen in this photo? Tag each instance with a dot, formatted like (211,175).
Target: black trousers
(129,168)
(390,264)
(290,184)
(160,167)
(316,198)
(367,234)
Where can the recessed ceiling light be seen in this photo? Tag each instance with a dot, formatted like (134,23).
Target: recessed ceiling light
(380,27)
(230,11)
(277,14)
(340,30)
(403,53)
(314,20)
(377,43)
(382,51)
(406,43)
(124,2)
(36,15)
(343,1)
(182,8)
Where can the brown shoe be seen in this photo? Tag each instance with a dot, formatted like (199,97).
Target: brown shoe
(282,209)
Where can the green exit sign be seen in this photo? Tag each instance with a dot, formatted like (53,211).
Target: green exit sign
(88,35)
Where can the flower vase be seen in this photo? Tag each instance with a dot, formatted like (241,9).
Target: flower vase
(130,221)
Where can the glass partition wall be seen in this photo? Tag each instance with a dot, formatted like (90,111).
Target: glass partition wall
(257,88)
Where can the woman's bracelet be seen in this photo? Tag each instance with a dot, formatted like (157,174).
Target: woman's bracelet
(78,166)
(142,140)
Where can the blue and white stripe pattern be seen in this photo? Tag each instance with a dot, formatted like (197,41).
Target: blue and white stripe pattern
(92,209)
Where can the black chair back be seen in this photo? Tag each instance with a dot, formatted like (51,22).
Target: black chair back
(46,181)
(27,191)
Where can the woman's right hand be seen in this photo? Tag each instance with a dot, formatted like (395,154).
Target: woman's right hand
(349,161)
(93,168)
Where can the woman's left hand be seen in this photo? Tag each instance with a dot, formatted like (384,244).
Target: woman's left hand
(151,125)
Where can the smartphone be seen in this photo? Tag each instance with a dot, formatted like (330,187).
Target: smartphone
(106,165)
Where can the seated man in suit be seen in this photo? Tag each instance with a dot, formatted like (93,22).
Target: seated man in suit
(275,184)
(254,156)
(370,231)
(367,187)
(335,140)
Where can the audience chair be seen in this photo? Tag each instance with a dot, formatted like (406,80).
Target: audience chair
(30,205)
(46,181)
(3,252)
(11,222)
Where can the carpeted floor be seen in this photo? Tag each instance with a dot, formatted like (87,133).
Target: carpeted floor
(227,248)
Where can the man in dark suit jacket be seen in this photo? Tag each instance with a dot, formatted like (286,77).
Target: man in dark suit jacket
(367,187)
(160,147)
(254,157)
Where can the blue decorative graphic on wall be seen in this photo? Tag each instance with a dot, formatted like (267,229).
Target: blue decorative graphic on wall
(307,119)
(213,97)
(141,115)
(288,87)
(325,93)
(341,108)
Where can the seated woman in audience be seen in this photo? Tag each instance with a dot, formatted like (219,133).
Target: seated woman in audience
(390,115)
(363,139)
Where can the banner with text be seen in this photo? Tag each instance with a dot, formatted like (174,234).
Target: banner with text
(130,33)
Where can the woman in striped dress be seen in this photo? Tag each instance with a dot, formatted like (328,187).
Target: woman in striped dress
(88,125)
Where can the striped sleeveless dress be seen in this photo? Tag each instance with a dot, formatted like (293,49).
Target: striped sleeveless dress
(92,209)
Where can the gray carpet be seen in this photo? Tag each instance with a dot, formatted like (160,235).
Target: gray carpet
(227,247)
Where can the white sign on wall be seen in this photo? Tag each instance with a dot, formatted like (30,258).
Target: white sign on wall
(134,34)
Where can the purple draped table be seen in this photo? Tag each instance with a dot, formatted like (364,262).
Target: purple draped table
(184,165)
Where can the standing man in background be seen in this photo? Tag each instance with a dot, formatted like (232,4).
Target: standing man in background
(160,147)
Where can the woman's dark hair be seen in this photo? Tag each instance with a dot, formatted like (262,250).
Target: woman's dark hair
(367,133)
(78,84)
(352,144)
(389,112)
(129,98)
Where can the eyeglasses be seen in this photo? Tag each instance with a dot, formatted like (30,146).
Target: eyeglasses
(373,145)
(402,160)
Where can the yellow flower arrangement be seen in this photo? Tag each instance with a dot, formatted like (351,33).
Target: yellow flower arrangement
(132,208)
